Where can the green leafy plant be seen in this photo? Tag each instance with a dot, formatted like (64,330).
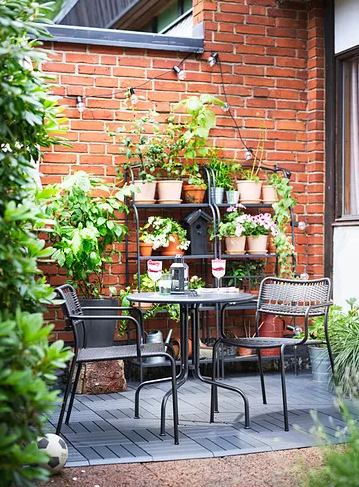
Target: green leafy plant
(28,116)
(159,231)
(147,286)
(224,170)
(196,282)
(231,225)
(86,229)
(248,274)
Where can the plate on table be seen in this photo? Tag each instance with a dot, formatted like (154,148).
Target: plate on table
(206,290)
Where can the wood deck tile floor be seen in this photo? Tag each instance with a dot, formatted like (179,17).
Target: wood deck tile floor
(103,431)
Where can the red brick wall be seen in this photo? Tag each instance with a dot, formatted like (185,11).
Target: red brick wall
(272,60)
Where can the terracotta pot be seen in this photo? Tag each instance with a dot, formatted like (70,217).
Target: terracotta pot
(169,191)
(143,305)
(235,245)
(193,194)
(269,194)
(145,249)
(272,326)
(147,192)
(176,345)
(249,191)
(257,245)
(244,352)
(172,248)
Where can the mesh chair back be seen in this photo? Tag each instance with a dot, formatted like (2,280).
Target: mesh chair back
(292,297)
(71,306)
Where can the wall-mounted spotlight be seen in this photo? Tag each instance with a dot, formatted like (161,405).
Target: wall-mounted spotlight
(80,104)
(181,74)
(248,155)
(213,58)
(132,95)
(301,225)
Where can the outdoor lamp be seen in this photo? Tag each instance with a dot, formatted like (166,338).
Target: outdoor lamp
(181,74)
(80,104)
(248,154)
(226,107)
(133,96)
(213,58)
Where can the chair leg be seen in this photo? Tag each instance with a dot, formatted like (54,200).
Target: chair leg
(284,389)
(263,387)
(73,392)
(66,395)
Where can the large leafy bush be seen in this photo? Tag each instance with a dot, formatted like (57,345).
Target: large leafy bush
(27,361)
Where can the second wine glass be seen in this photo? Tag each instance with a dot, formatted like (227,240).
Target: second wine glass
(154,269)
(218,269)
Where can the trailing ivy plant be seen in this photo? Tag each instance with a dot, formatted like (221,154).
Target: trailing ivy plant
(27,360)
(282,216)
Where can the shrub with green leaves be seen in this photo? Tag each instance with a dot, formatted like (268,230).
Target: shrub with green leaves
(86,229)
(27,361)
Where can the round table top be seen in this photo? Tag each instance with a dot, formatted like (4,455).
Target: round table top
(201,298)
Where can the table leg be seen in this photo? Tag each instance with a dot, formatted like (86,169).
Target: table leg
(183,374)
(197,373)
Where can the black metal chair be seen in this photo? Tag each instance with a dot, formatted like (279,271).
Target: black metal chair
(283,297)
(75,317)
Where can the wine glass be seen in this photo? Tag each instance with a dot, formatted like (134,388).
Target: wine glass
(154,269)
(218,269)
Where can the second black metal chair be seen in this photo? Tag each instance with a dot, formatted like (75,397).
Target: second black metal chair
(282,297)
(75,317)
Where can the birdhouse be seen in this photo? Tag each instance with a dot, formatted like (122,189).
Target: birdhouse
(196,223)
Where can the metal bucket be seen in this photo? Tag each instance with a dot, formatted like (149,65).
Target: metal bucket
(217,195)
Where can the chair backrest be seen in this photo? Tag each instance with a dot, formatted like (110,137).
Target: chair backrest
(71,306)
(292,297)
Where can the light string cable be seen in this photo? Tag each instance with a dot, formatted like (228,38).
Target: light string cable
(143,83)
(229,107)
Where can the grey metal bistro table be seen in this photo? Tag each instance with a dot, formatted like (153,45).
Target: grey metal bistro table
(190,302)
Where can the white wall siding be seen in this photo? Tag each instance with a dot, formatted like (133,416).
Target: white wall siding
(346,25)
(346,264)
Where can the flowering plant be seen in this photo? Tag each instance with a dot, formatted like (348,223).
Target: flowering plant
(231,226)
(255,225)
(160,231)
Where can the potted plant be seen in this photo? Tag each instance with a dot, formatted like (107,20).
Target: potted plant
(223,170)
(166,233)
(232,230)
(257,228)
(195,188)
(250,186)
(138,147)
(194,138)
(85,235)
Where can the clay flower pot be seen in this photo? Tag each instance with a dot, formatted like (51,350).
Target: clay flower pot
(193,193)
(249,191)
(257,245)
(169,191)
(146,249)
(269,194)
(147,192)
(173,247)
(244,352)
(235,245)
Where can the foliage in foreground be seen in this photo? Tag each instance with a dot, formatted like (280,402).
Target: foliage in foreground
(341,467)
(27,361)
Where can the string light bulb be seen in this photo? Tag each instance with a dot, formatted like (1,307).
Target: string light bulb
(132,95)
(213,58)
(302,225)
(80,104)
(226,107)
(304,276)
(181,74)
(248,155)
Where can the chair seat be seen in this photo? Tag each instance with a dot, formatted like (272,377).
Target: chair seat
(119,352)
(267,342)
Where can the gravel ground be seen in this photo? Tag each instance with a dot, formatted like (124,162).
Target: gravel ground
(274,469)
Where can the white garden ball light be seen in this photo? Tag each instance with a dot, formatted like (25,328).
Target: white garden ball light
(57,450)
